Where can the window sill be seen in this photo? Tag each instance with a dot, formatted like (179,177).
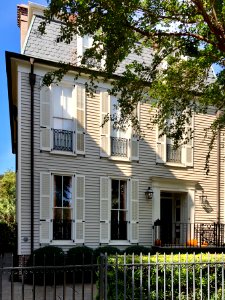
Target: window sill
(171,164)
(118,158)
(176,165)
(62,242)
(68,153)
(119,243)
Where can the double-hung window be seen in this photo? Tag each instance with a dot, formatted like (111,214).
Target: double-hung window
(63,118)
(119,210)
(167,153)
(83,43)
(62,208)
(116,142)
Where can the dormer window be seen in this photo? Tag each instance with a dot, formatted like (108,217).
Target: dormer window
(83,43)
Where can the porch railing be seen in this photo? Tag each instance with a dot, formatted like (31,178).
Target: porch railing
(119,147)
(62,140)
(172,154)
(189,234)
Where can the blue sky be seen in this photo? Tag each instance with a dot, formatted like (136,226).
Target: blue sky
(10,41)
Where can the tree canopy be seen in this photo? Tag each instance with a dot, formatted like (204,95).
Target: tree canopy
(8,198)
(186,38)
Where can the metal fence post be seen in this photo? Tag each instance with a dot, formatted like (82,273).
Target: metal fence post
(101,278)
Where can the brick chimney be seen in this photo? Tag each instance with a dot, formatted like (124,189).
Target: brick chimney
(22,22)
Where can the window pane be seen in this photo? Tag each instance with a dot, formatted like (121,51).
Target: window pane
(57,191)
(115,194)
(67,191)
(118,210)
(57,123)
(67,214)
(57,214)
(123,188)
(67,125)
(87,41)
(68,103)
(58,102)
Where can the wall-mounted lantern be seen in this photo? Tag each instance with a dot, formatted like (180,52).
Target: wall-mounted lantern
(203,197)
(149,193)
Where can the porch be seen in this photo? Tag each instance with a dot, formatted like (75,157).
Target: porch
(179,234)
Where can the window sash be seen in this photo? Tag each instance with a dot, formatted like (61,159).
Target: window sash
(62,221)
(119,212)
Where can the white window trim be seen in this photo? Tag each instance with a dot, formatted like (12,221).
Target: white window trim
(174,164)
(62,242)
(121,242)
(75,151)
(128,137)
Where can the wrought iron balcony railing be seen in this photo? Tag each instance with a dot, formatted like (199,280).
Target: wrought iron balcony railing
(189,234)
(62,140)
(119,147)
(62,229)
(172,154)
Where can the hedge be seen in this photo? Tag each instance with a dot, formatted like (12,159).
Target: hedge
(117,269)
(45,256)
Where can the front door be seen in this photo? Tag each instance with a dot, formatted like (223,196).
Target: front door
(166,212)
(172,217)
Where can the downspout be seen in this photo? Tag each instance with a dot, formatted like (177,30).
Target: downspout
(219,241)
(218,176)
(32,78)
(218,172)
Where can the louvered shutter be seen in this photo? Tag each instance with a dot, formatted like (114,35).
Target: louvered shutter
(134,147)
(104,209)
(160,147)
(134,211)
(45,207)
(189,147)
(104,130)
(80,118)
(45,118)
(80,208)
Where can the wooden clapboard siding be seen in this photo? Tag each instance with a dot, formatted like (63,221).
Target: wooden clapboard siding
(93,167)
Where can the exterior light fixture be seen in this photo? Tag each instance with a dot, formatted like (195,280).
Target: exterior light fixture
(203,198)
(149,193)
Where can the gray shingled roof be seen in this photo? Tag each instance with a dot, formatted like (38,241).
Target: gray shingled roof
(46,47)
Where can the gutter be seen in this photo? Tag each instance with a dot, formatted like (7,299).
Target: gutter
(32,80)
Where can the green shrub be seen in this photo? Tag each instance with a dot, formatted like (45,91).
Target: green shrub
(79,256)
(7,238)
(106,249)
(137,249)
(172,272)
(46,256)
